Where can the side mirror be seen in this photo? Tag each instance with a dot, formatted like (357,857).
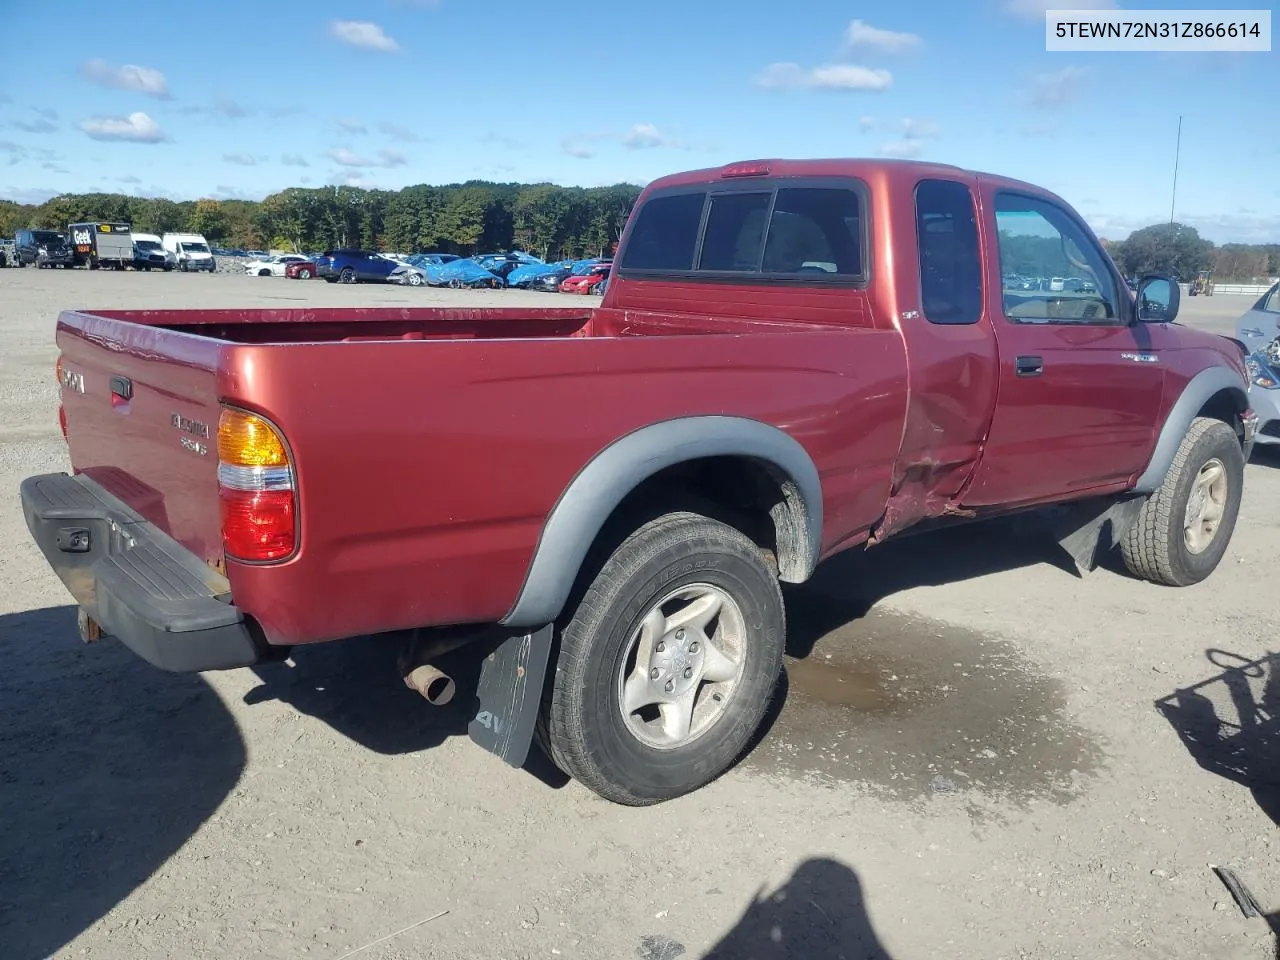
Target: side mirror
(1158,299)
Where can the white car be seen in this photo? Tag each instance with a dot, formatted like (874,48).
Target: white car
(271,266)
(1261,324)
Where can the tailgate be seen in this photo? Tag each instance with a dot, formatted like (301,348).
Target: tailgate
(142,420)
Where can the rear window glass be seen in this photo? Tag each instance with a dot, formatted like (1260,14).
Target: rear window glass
(665,234)
(815,230)
(735,230)
(780,232)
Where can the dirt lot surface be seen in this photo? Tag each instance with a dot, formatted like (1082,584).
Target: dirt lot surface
(971,759)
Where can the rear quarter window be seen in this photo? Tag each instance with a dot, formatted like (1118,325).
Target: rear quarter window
(665,233)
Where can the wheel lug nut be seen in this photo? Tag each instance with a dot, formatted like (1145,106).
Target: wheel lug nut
(661,646)
(688,672)
(653,674)
(680,634)
(670,686)
(693,647)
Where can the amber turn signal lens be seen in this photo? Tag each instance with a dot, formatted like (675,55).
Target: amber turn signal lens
(246,440)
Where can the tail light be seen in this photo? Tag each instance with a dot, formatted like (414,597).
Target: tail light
(62,411)
(257,489)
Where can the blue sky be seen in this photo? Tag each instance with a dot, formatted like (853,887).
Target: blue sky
(239,99)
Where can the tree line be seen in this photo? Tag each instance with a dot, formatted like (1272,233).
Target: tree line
(1175,248)
(547,220)
(550,221)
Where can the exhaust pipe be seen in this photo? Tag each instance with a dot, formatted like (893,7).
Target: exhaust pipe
(435,686)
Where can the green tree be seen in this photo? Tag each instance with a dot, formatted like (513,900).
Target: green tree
(1166,248)
(208,219)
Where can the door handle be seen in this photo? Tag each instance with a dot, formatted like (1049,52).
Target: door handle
(1029,366)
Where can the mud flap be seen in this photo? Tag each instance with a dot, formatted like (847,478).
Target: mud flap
(1089,530)
(509,695)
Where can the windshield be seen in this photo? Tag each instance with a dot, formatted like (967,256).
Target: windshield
(195,248)
(46,236)
(147,245)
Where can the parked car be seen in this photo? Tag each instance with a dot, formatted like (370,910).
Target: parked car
(273,266)
(549,282)
(303,269)
(8,253)
(611,549)
(191,251)
(1263,366)
(27,244)
(55,253)
(1261,324)
(587,282)
(355,266)
(150,254)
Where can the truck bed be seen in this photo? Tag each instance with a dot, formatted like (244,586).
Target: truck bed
(425,473)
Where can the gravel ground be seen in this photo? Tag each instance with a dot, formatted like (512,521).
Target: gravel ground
(970,760)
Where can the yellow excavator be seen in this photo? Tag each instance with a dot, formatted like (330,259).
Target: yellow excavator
(1202,284)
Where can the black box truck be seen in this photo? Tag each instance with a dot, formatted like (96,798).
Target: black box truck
(99,244)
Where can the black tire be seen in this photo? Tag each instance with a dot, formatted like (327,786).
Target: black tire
(264,273)
(304,274)
(347,276)
(583,727)
(1155,547)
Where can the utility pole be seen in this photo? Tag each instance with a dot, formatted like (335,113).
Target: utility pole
(1177,153)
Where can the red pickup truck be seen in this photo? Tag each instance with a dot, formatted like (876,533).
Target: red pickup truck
(793,358)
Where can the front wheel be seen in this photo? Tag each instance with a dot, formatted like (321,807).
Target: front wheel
(668,663)
(1184,528)
(414,279)
(264,273)
(304,274)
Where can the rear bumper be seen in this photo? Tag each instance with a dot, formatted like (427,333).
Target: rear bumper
(137,582)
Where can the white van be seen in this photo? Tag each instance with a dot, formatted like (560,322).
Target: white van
(149,253)
(191,251)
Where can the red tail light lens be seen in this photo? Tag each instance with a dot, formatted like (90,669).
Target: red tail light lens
(257,490)
(259,525)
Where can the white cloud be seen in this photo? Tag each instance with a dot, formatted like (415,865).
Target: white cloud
(242,159)
(137,127)
(32,195)
(1036,9)
(385,158)
(363,34)
(919,129)
(224,192)
(144,80)
(644,136)
(352,125)
(867,124)
(510,143)
(574,147)
(784,76)
(904,149)
(1049,91)
(294,160)
(129,179)
(862,34)
(47,112)
(394,130)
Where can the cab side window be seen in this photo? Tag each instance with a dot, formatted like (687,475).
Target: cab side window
(947,246)
(1051,271)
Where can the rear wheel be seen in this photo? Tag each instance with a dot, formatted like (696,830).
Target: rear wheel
(347,276)
(1184,528)
(668,663)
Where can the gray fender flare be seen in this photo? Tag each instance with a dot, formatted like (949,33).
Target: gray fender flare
(1194,396)
(585,505)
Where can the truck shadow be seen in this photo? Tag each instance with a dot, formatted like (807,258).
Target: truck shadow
(848,585)
(1230,724)
(354,686)
(107,767)
(818,914)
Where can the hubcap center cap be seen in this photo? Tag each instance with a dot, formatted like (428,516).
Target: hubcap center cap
(677,659)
